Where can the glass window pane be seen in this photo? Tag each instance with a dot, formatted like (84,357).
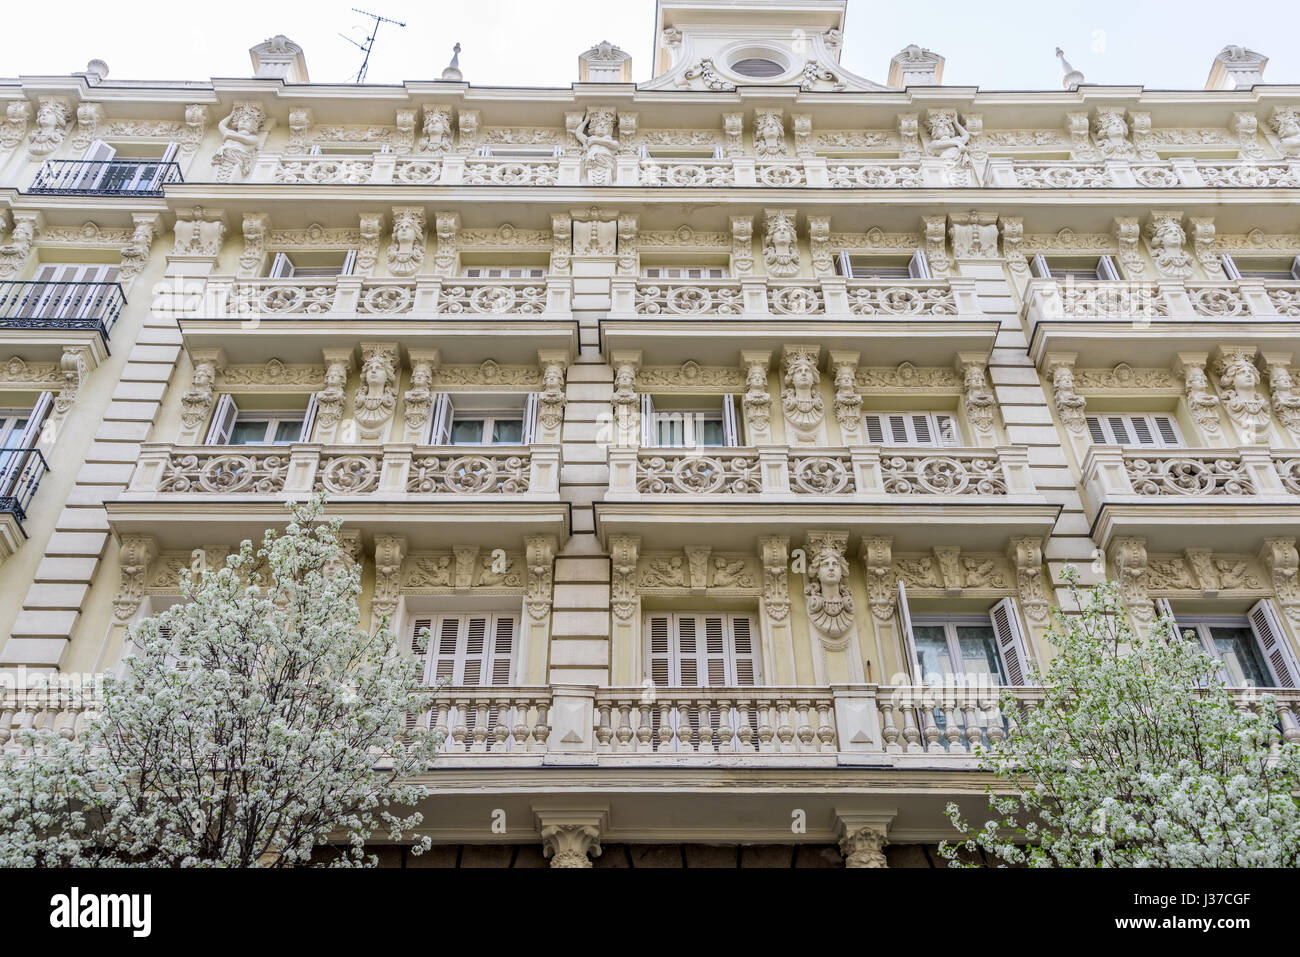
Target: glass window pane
(287,432)
(670,429)
(14,429)
(979,654)
(507,431)
(708,430)
(467,432)
(248,432)
(932,654)
(1237,649)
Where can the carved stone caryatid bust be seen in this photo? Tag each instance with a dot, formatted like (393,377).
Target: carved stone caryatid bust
(949,140)
(1110,130)
(418,399)
(826,588)
(1286,403)
(198,398)
(376,395)
(1166,238)
(780,243)
(599,145)
(1202,405)
(769,134)
(801,399)
(330,399)
(13,254)
(1286,124)
(1069,404)
(1239,381)
(406,251)
(53,117)
(239,141)
(436,137)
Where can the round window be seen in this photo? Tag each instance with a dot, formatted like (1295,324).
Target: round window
(756,66)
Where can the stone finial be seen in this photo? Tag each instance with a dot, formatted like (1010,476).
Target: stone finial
(96,70)
(1236,68)
(1072,76)
(452,73)
(915,66)
(279,58)
(604,63)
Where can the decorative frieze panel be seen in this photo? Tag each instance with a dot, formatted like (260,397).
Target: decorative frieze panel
(270,376)
(944,571)
(488,375)
(1206,574)
(489,571)
(908,378)
(690,376)
(1124,379)
(698,570)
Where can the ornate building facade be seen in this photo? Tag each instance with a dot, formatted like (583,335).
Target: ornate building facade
(731,431)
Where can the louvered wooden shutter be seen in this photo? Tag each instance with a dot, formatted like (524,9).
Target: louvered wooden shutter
(945,431)
(875,430)
(503,647)
(530,419)
(1142,431)
(659,629)
(688,651)
(715,651)
(476,650)
(748,671)
(730,424)
(1095,430)
(308,419)
(440,420)
(1273,640)
(223,421)
(1119,429)
(647,420)
(420,646)
(1011,640)
(448,638)
(921,429)
(919,266)
(1167,430)
(909,641)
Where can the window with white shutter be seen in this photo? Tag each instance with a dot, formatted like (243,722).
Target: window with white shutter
(1040,267)
(682,428)
(701,650)
(988,650)
(1253,651)
(71,291)
(20,429)
(1276,269)
(912,428)
(882,267)
(1153,431)
(469,650)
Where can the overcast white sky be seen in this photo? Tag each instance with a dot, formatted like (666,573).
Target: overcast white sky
(994,44)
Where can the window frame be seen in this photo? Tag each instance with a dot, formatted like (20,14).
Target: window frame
(651,418)
(674,657)
(918,267)
(1008,631)
(1271,641)
(1232,269)
(444,416)
(1102,423)
(1106,270)
(432,658)
(226,415)
(933,420)
(723,273)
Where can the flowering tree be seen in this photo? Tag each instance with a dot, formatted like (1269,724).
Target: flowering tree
(253,721)
(1137,756)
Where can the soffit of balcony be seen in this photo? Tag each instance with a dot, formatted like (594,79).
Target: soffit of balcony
(914,525)
(1230,525)
(221,520)
(1154,343)
(105,212)
(48,345)
(925,341)
(470,339)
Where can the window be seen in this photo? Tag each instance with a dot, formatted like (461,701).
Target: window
(679,152)
(104,171)
(474,419)
(684,272)
(912,428)
(701,650)
(965,649)
(1252,268)
(504,272)
(1077,269)
(71,291)
(466,649)
(757,67)
(319,266)
(522,152)
(231,426)
(20,429)
(883,267)
(1254,650)
(1143,431)
(689,423)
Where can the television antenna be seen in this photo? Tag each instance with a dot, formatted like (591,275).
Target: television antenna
(370,40)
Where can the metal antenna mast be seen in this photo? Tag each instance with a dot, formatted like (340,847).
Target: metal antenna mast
(370,40)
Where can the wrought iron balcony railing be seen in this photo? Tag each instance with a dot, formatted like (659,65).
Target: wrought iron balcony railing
(21,471)
(93,306)
(125,177)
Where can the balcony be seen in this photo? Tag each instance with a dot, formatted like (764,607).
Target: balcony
(1149,323)
(490,495)
(735,495)
(1169,496)
(21,471)
(926,322)
(124,177)
(295,319)
(1003,171)
(60,308)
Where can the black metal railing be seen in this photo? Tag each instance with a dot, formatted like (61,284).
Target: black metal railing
(124,177)
(61,305)
(21,470)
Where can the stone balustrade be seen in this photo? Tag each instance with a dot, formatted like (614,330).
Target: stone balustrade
(833,297)
(1005,171)
(848,724)
(804,171)
(1250,472)
(855,474)
(394,472)
(355,297)
(1051,299)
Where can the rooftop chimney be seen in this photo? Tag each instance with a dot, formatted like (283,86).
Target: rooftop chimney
(915,66)
(279,58)
(604,63)
(1236,68)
